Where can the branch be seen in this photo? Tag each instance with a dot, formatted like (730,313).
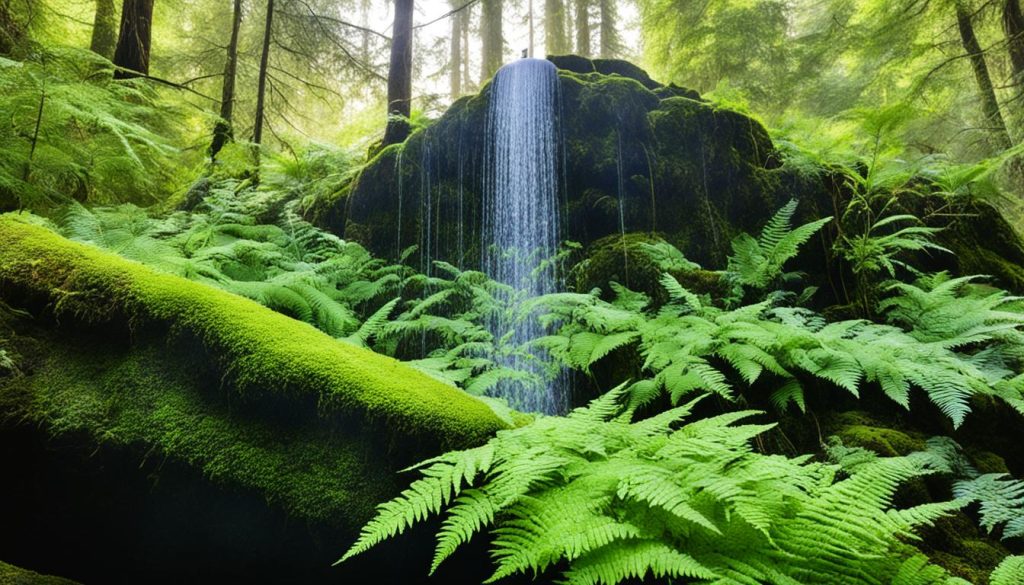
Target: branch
(345,23)
(166,82)
(447,14)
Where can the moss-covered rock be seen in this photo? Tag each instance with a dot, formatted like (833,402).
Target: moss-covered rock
(264,355)
(119,366)
(639,156)
(250,397)
(859,429)
(11,575)
(657,155)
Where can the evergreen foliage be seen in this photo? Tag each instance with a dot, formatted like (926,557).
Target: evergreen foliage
(72,133)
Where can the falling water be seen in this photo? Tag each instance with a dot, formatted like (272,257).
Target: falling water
(620,197)
(521,211)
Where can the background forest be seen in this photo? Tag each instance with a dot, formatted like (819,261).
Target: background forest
(911,79)
(245,280)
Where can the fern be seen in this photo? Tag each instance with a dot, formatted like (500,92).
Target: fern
(1000,498)
(689,345)
(1009,572)
(609,500)
(758,263)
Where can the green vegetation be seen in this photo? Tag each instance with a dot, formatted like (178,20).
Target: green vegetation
(262,354)
(621,500)
(242,274)
(11,575)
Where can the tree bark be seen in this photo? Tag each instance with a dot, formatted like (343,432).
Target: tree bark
(583,28)
(493,41)
(455,57)
(261,86)
(989,104)
(133,42)
(556,42)
(400,75)
(223,132)
(609,35)
(1013,26)
(529,19)
(467,83)
(104,29)
(12,31)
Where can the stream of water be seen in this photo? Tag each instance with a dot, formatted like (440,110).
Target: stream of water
(521,219)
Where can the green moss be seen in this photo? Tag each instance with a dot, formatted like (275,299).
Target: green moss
(262,354)
(622,259)
(954,543)
(11,575)
(150,397)
(858,429)
(987,461)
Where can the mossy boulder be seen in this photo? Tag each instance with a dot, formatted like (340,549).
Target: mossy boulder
(637,156)
(119,363)
(623,258)
(671,162)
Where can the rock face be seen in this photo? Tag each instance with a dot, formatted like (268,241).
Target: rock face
(635,156)
(673,163)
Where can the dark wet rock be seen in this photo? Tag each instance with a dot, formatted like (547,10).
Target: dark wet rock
(636,156)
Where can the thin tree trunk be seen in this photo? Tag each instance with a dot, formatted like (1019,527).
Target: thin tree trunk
(1013,26)
(583,27)
(455,57)
(467,83)
(529,18)
(555,39)
(223,132)
(104,29)
(133,42)
(364,11)
(493,41)
(989,104)
(400,75)
(261,86)
(35,138)
(609,35)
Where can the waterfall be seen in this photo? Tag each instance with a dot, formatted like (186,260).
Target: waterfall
(521,224)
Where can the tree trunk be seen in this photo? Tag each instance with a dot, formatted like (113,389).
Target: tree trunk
(609,36)
(400,75)
(364,20)
(529,19)
(12,32)
(104,29)
(467,83)
(455,57)
(555,39)
(989,104)
(133,43)
(261,86)
(583,28)
(223,131)
(1013,26)
(493,41)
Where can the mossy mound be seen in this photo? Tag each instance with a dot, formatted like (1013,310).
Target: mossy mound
(637,156)
(11,575)
(622,258)
(265,356)
(670,161)
(114,356)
